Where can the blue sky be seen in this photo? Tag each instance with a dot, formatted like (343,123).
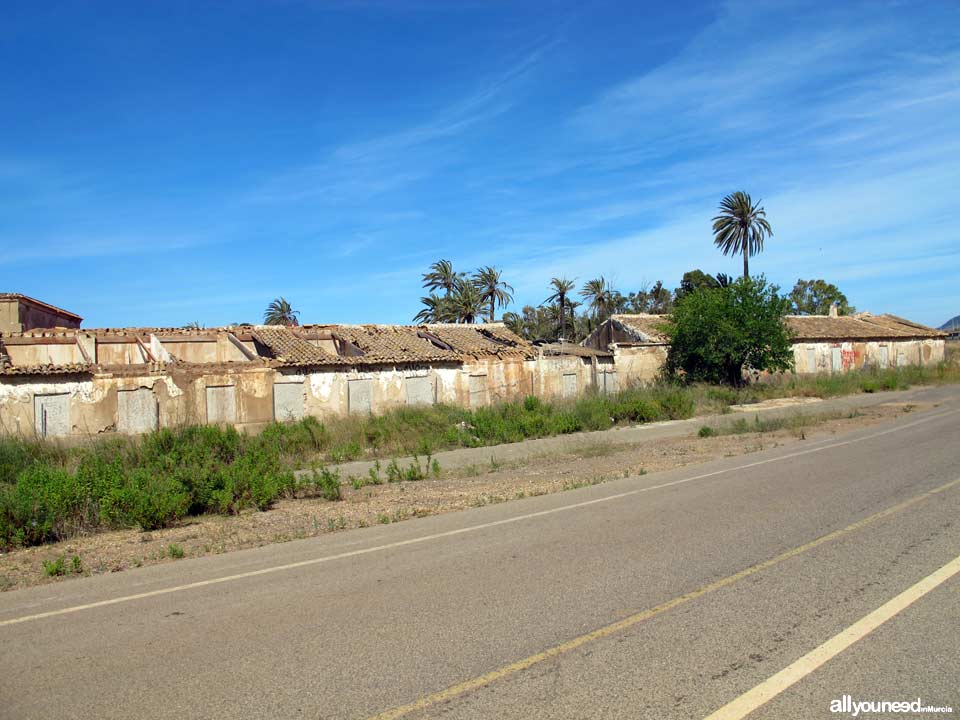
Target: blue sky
(177,161)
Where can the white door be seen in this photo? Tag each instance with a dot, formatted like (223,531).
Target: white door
(569,385)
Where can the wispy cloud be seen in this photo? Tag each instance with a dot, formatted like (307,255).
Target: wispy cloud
(360,170)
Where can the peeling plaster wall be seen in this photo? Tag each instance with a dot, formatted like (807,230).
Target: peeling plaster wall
(826,357)
(638,365)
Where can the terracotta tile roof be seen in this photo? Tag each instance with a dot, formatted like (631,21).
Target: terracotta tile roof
(486,340)
(899,323)
(286,346)
(68,369)
(856,327)
(645,327)
(392,343)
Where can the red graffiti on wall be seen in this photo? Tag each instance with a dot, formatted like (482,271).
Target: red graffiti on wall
(849,359)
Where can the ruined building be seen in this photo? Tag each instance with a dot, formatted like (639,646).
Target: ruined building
(64,382)
(821,343)
(68,382)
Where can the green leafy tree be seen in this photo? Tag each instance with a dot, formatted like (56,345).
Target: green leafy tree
(279,312)
(562,287)
(694,280)
(493,290)
(814,297)
(717,334)
(741,227)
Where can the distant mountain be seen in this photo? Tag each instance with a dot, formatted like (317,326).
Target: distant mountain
(952,324)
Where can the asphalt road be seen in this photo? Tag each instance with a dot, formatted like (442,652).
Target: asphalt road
(663,596)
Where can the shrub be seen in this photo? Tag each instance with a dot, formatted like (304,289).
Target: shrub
(327,483)
(148,500)
(53,568)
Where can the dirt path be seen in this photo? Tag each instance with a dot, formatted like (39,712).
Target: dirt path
(470,486)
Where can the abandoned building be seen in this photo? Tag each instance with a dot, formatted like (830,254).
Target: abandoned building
(58,380)
(19,312)
(68,382)
(821,343)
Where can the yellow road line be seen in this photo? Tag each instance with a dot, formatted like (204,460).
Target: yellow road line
(451,533)
(773,686)
(476,683)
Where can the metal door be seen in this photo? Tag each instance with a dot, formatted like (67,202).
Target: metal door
(52,415)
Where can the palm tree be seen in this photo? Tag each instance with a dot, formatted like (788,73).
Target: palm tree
(436,310)
(492,289)
(464,302)
(599,295)
(195,325)
(740,227)
(279,312)
(441,277)
(561,288)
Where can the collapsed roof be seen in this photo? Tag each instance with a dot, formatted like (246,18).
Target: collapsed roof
(66,351)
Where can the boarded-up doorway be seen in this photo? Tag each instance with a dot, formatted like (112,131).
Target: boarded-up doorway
(52,415)
(420,391)
(221,404)
(137,411)
(360,396)
(478,391)
(288,401)
(611,385)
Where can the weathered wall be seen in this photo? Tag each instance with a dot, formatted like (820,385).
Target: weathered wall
(826,357)
(17,315)
(45,354)
(638,364)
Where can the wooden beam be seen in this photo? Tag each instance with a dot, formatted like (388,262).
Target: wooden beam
(146,351)
(247,353)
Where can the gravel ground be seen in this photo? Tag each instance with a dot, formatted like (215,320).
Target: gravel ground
(467,487)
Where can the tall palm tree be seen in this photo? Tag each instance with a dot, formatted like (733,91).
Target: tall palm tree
(436,310)
(599,297)
(441,277)
(561,288)
(279,312)
(465,302)
(492,289)
(741,227)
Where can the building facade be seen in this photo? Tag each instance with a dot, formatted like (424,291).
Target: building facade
(72,383)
